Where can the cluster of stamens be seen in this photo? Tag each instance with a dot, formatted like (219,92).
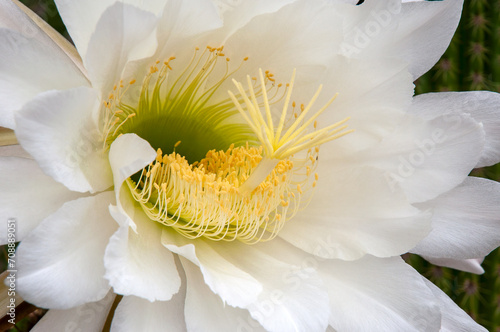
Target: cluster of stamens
(202,199)
(246,192)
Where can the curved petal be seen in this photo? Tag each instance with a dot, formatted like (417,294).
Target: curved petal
(136,314)
(130,266)
(353,213)
(31,65)
(183,19)
(418,32)
(465,223)
(234,285)
(373,294)
(280,295)
(124,33)
(81,18)
(67,246)
(65,45)
(57,129)
(441,151)
(128,154)
(28,195)
(453,317)
(418,21)
(238,13)
(482,106)
(136,262)
(284,43)
(89,317)
(219,317)
(472,265)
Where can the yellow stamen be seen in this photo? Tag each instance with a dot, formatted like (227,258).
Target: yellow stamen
(204,200)
(278,145)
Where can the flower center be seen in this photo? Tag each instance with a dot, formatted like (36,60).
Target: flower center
(229,173)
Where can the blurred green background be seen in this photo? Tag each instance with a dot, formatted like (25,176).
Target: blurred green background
(472,62)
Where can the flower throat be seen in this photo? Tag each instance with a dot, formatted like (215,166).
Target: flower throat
(229,173)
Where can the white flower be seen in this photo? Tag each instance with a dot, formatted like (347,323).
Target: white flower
(314,246)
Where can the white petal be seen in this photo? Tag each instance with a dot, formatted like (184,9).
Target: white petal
(205,311)
(482,107)
(465,223)
(418,32)
(128,154)
(440,152)
(64,44)
(31,65)
(234,285)
(66,247)
(373,294)
(238,13)
(279,295)
(472,265)
(135,314)
(278,36)
(81,18)
(454,319)
(373,93)
(425,31)
(354,212)
(58,130)
(124,33)
(136,262)
(89,317)
(28,195)
(183,19)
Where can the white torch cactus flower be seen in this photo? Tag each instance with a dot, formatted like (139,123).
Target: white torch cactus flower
(241,165)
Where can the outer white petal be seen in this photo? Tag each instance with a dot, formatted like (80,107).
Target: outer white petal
(135,314)
(465,223)
(353,213)
(89,317)
(64,44)
(136,262)
(472,265)
(31,65)
(374,294)
(124,33)
(483,106)
(58,130)
(425,31)
(81,18)
(205,311)
(28,195)
(441,151)
(66,247)
(418,32)
(454,319)
(279,295)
